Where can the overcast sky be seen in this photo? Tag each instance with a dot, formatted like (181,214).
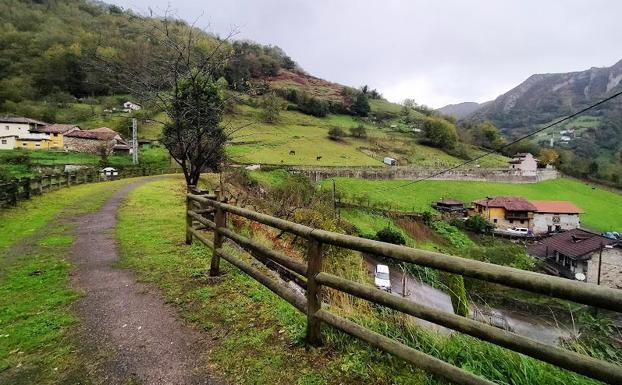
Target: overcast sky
(437,52)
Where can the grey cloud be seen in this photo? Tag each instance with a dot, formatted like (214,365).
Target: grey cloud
(438,52)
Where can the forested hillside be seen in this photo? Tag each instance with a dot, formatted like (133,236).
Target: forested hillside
(590,145)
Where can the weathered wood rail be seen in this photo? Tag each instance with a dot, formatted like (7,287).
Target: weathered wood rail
(20,189)
(202,208)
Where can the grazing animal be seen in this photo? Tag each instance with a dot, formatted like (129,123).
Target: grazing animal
(318,157)
(292,152)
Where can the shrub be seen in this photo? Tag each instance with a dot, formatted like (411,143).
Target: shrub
(440,133)
(358,131)
(335,133)
(391,235)
(478,224)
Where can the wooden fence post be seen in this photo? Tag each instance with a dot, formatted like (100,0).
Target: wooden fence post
(188,217)
(314,300)
(26,182)
(68,179)
(14,192)
(221,221)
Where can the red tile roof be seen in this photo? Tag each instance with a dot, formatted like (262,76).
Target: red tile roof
(577,244)
(508,203)
(102,133)
(57,128)
(559,207)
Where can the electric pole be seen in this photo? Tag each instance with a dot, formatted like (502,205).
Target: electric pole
(134,141)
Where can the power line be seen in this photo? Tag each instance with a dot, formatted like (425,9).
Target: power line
(488,152)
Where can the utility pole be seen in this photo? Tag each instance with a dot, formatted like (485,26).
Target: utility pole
(134,141)
(600,263)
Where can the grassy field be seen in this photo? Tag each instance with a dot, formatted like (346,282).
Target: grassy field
(307,136)
(603,209)
(36,345)
(12,163)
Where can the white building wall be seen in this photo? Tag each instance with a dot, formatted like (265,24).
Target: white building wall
(611,269)
(19,129)
(542,221)
(7,143)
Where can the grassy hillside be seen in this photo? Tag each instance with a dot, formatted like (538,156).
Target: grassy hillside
(603,209)
(308,137)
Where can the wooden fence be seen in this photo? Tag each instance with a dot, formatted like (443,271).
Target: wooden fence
(24,188)
(201,209)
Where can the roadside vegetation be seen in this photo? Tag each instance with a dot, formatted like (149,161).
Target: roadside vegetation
(263,342)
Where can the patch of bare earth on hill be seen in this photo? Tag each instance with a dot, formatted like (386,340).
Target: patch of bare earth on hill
(130,335)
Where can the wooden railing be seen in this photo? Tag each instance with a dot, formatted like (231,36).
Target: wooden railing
(201,209)
(20,189)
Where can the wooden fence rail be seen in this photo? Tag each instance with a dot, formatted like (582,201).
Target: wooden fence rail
(20,189)
(201,207)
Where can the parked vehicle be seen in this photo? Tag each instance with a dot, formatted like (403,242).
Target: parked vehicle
(518,231)
(382,278)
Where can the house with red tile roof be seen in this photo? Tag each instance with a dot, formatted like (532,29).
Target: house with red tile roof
(506,212)
(555,216)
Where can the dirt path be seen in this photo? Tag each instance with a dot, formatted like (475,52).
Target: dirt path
(131,335)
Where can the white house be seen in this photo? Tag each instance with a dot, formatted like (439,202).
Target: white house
(129,106)
(8,142)
(525,163)
(19,126)
(555,216)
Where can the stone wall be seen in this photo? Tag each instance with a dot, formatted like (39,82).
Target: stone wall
(611,269)
(92,146)
(408,173)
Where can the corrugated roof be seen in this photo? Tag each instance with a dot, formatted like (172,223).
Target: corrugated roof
(508,203)
(450,201)
(20,119)
(577,244)
(560,207)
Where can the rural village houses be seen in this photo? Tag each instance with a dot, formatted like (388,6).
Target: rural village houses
(576,254)
(539,216)
(20,132)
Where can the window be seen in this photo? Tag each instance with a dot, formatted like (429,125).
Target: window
(511,221)
(24,144)
(55,135)
(495,220)
(37,145)
(7,127)
(522,221)
(3,141)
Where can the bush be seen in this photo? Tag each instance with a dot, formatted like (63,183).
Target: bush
(440,133)
(336,133)
(390,235)
(358,131)
(478,224)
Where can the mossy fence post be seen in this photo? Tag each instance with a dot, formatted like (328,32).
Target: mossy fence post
(314,299)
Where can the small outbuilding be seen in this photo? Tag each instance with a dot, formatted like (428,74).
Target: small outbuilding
(390,161)
(448,205)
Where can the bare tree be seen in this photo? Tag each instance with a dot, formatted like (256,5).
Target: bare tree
(177,72)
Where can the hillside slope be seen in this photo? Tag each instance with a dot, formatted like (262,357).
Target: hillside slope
(543,97)
(460,110)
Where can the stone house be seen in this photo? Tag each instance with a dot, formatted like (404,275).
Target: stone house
(506,212)
(555,216)
(576,254)
(96,140)
(55,133)
(449,205)
(525,163)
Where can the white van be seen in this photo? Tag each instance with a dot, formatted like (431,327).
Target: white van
(382,278)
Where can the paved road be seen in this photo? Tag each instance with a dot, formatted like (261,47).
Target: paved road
(131,334)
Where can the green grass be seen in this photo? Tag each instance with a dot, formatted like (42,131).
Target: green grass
(603,208)
(307,136)
(36,339)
